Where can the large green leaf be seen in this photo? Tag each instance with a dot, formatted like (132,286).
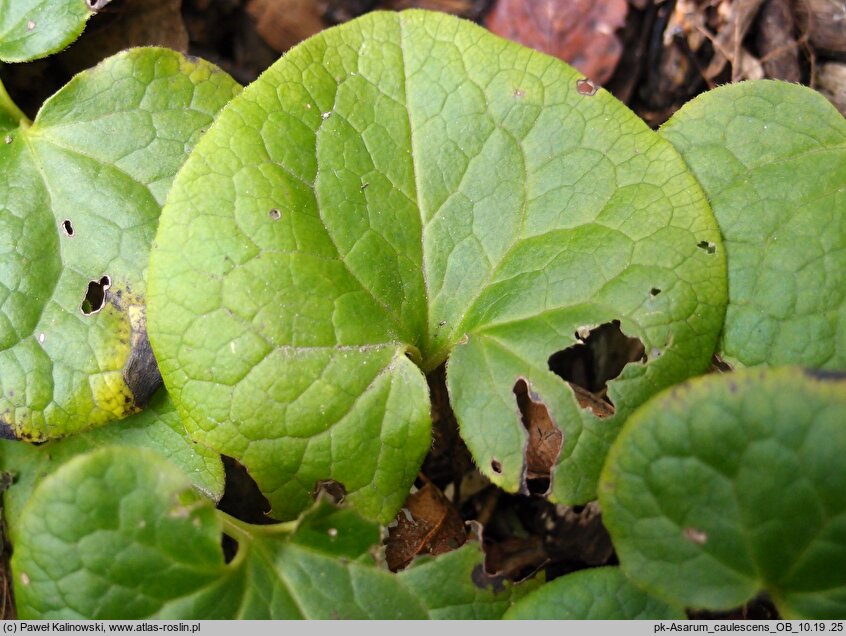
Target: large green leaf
(30,29)
(731,484)
(771,157)
(594,594)
(156,428)
(403,189)
(81,190)
(120,533)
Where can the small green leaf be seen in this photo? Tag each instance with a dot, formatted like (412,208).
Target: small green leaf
(404,189)
(156,428)
(731,484)
(454,586)
(771,157)
(595,594)
(80,199)
(30,29)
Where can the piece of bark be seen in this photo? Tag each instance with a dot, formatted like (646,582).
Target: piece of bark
(776,44)
(831,82)
(825,23)
(580,32)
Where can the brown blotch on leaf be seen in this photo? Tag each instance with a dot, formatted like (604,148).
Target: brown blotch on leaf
(545,439)
(333,490)
(599,356)
(694,535)
(826,375)
(428,524)
(586,87)
(7,432)
(95,295)
(141,372)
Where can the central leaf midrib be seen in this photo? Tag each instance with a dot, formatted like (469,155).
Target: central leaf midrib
(432,359)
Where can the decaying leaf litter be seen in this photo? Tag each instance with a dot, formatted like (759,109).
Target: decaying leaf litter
(671,51)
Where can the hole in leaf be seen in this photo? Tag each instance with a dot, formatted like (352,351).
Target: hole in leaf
(95,296)
(545,439)
(242,498)
(96,5)
(275,214)
(586,87)
(598,357)
(654,291)
(707,246)
(720,365)
(329,488)
(67,227)
(230,548)
(496,466)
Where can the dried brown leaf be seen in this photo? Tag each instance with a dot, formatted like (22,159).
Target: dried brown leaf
(285,24)
(428,524)
(580,32)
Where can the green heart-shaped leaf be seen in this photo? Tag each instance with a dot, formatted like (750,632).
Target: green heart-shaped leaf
(156,428)
(455,586)
(30,29)
(120,533)
(731,484)
(80,196)
(771,157)
(595,594)
(400,190)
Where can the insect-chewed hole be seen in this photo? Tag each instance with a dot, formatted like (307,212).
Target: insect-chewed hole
(67,227)
(654,291)
(598,357)
(329,488)
(707,246)
(95,296)
(275,214)
(586,87)
(496,466)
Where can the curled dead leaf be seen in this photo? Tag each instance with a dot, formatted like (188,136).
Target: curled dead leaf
(580,32)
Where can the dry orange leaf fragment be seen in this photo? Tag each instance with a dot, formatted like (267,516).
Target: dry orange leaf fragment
(580,32)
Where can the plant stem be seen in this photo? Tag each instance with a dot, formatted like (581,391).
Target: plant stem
(11,107)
